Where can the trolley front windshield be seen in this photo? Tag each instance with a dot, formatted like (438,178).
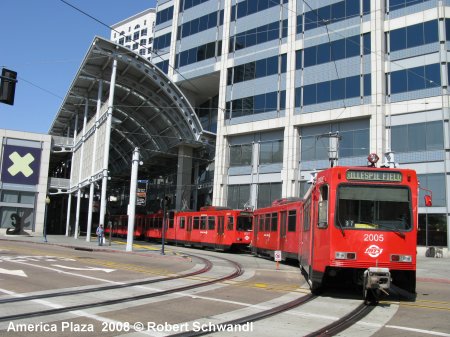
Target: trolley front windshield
(244,223)
(373,207)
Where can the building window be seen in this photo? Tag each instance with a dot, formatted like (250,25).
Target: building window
(121,41)
(164,66)
(135,36)
(198,25)
(436,183)
(128,38)
(417,137)
(418,78)
(241,155)
(399,4)
(413,36)
(255,104)
(162,41)
(267,193)
(200,53)
(335,50)
(141,51)
(354,140)
(143,42)
(135,46)
(271,152)
(249,7)
(258,35)
(432,230)
(238,196)
(144,32)
(328,91)
(164,15)
(336,12)
(256,69)
(26,215)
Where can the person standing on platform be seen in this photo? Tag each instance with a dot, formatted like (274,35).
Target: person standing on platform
(100,231)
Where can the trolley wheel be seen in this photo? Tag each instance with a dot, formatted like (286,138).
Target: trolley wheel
(316,287)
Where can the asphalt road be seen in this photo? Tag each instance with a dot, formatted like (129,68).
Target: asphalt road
(29,268)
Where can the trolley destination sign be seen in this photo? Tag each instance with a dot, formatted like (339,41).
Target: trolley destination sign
(386,176)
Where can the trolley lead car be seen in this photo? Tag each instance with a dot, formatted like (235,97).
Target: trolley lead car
(360,224)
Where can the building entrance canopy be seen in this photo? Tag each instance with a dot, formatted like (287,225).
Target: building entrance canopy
(148,110)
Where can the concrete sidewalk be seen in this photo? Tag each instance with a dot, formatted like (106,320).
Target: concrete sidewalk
(115,245)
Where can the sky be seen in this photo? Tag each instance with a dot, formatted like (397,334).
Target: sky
(45,41)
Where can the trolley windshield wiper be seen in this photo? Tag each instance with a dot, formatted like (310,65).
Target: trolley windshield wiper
(395,229)
(340,227)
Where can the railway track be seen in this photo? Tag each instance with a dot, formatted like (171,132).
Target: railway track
(345,322)
(238,270)
(207,267)
(252,318)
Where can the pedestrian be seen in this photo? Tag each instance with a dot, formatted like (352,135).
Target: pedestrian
(100,231)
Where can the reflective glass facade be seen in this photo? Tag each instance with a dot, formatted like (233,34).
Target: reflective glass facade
(275,80)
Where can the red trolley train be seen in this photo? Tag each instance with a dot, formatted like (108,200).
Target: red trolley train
(361,223)
(220,228)
(215,227)
(355,224)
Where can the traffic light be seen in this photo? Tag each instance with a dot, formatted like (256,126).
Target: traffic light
(8,86)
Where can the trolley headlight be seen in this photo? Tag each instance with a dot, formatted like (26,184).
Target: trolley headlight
(401,258)
(345,256)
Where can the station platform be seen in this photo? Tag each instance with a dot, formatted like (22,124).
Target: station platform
(113,245)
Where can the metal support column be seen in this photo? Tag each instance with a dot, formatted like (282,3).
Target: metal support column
(80,169)
(69,202)
(107,143)
(132,204)
(94,157)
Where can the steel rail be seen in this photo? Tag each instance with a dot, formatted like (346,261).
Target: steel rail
(207,267)
(237,272)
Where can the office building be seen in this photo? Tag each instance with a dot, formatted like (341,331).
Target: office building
(136,32)
(279,82)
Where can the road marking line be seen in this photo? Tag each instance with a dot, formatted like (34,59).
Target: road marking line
(68,273)
(428,332)
(17,272)
(85,268)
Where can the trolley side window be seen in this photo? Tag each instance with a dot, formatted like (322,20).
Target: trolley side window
(211,223)
(171,219)
(274,222)
(306,215)
(182,222)
(267,223)
(230,225)
(261,222)
(196,222)
(283,224)
(292,221)
(203,221)
(323,207)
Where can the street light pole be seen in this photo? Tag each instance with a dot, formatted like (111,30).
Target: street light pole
(47,202)
(163,235)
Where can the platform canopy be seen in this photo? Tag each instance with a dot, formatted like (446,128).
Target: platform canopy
(149,111)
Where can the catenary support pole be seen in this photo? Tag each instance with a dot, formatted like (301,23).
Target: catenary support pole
(132,204)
